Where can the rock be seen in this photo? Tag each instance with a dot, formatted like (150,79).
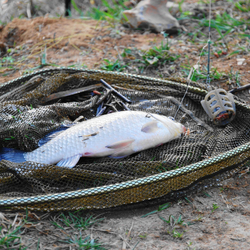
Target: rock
(3,48)
(151,14)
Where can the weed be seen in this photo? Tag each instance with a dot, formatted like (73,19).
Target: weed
(234,77)
(84,243)
(116,66)
(76,8)
(11,238)
(111,13)
(243,6)
(186,198)
(215,206)
(143,236)
(6,61)
(172,222)
(77,221)
(161,207)
(201,74)
(153,58)
(158,55)
(177,234)
(208,195)
(225,24)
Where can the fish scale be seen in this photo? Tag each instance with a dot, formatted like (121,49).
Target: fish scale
(116,135)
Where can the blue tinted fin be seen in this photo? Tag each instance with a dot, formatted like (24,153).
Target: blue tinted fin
(53,134)
(69,162)
(11,154)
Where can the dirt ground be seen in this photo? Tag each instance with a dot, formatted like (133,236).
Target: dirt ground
(217,218)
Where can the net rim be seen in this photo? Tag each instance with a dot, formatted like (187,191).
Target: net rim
(126,184)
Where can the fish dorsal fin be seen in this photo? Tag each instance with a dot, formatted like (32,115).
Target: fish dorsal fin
(69,162)
(53,134)
(150,127)
(120,144)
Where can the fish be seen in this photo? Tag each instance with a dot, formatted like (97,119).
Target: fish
(116,135)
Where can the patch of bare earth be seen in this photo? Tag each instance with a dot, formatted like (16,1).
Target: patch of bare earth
(87,42)
(68,42)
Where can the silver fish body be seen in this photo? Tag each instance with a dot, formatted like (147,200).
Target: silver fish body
(117,135)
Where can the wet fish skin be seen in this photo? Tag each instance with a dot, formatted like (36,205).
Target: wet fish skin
(116,135)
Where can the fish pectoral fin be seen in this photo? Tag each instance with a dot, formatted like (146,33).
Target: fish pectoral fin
(122,153)
(69,162)
(150,127)
(120,144)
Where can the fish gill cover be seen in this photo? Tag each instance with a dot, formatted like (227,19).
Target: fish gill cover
(37,104)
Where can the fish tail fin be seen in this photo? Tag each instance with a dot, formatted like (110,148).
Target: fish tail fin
(11,154)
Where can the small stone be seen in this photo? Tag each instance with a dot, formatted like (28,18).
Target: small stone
(240,61)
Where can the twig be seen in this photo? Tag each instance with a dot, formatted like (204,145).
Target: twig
(238,89)
(70,92)
(136,245)
(115,91)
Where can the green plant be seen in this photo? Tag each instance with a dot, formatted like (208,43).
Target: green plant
(76,221)
(76,8)
(201,74)
(84,243)
(6,61)
(143,236)
(172,222)
(142,59)
(11,238)
(158,55)
(243,6)
(215,206)
(113,66)
(177,234)
(112,12)
(79,222)
(224,24)
(161,207)
(234,77)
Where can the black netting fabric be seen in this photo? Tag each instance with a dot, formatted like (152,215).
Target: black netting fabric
(34,105)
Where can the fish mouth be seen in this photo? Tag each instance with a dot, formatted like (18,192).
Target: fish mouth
(185,131)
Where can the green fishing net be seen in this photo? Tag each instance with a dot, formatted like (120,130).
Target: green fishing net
(36,104)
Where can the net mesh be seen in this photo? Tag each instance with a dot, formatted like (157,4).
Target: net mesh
(36,104)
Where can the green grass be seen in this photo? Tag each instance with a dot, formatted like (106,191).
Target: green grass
(215,206)
(113,66)
(6,62)
(110,12)
(80,223)
(84,243)
(12,238)
(76,221)
(161,207)
(223,23)
(201,75)
(173,222)
(243,6)
(153,58)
